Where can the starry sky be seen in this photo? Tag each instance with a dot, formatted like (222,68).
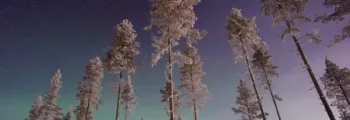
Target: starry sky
(40,36)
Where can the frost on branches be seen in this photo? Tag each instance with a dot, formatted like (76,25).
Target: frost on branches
(128,98)
(69,115)
(50,109)
(174,19)
(247,104)
(123,49)
(341,8)
(282,11)
(89,90)
(35,109)
(177,100)
(242,34)
(191,79)
(337,83)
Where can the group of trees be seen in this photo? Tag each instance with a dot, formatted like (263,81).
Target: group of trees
(173,21)
(242,36)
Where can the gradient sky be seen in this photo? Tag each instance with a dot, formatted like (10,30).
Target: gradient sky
(40,36)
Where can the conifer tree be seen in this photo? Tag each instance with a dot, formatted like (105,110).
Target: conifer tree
(337,82)
(34,111)
(121,53)
(291,13)
(341,8)
(174,19)
(128,97)
(242,35)
(247,104)
(191,80)
(265,70)
(50,109)
(89,90)
(69,115)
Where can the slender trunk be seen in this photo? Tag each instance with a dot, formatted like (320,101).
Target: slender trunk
(119,95)
(169,84)
(253,81)
(126,113)
(88,106)
(343,91)
(194,105)
(271,93)
(312,76)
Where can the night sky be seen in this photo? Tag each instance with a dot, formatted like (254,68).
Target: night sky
(40,36)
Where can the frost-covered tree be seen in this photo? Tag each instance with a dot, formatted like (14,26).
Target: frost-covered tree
(128,97)
(191,80)
(265,70)
(34,111)
(337,83)
(69,115)
(246,101)
(50,109)
(291,13)
(120,54)
(177,98)
(89,90)
(242,35)
(174,19)
(341,8)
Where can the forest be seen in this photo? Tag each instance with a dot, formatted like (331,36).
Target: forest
(174,39)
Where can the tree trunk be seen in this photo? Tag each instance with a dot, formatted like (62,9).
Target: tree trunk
(271,93)
(119,95)
(126,112)
(169,84)
(343,91)
(88,106)
(194,99)
(253,82)
(312,76)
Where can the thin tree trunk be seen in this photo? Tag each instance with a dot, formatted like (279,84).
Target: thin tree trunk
(119,95)
(169,83)
(271,93)
(343,91)
(126,112)
(88,106)
(253,81)
(312,76)
(194,99)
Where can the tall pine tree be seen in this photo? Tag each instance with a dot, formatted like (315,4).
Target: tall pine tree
(291,13)
(246,101)
(191,80)
(242,35)
(34,111)
(128,97)
(120,54)
(89,90)
(50,109)
(337,83)
(174,19)
(265,70)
